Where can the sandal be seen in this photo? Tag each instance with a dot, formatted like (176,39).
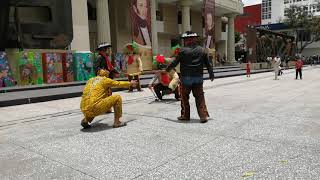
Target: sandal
(122,124)
(85,124)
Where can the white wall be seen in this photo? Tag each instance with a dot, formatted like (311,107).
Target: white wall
(308,3)
(278,8)
(277,12)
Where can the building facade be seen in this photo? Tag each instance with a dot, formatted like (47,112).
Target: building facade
(96,21)
(273,15)
(251,17)
(273,11)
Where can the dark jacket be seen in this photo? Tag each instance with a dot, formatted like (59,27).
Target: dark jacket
(101,63)
(192,61)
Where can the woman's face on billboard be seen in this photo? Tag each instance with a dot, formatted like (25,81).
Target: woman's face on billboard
(142,7)
(209,21)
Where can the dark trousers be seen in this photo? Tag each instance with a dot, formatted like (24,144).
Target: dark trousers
(197,91)
(299,72)
(160,90)
(180,92)
(136,77)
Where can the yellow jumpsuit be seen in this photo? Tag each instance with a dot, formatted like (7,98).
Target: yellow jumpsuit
(96,99)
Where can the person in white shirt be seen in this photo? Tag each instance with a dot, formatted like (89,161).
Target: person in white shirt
(276,65)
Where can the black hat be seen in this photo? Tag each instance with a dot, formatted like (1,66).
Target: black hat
(189,34)
(103,45)
(162,66)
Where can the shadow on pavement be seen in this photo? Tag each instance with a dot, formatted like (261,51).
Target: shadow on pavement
(98,126)
(192,121)
(164,101)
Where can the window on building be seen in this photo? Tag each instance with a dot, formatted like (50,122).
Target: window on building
(92,12)
(304,36)
(34,14)
(159,15)
(180,18)
(224,27)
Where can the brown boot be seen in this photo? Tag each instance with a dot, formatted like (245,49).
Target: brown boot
(203,120)
(181,118)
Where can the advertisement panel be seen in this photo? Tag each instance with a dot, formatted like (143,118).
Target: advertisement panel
(141,30)
(209,15)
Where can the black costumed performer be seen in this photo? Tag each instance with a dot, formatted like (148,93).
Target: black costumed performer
(192,59)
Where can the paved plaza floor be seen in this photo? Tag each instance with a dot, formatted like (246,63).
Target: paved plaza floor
(259,129)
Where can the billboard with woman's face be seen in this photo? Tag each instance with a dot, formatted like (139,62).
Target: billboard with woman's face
(209,14)
(141,22)
(141,30)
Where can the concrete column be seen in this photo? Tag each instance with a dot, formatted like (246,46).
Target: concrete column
(154,26)
(185,9)
(103,21)
(81,40)
(231,41)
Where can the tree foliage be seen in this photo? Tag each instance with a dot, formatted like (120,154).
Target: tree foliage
(301,20)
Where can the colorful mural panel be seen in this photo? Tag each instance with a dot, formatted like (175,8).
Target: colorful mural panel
(30,70)
(6,76)
(53,70)
(84,66)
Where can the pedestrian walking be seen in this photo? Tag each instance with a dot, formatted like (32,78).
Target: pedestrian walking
(276,65)
(299,65)
(280,71)
(248,69)
(192,59)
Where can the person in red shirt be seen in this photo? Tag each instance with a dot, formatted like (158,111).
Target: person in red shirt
(299,64)
(248,69)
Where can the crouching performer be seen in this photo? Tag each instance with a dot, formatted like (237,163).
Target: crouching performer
(164,82)
(97,101)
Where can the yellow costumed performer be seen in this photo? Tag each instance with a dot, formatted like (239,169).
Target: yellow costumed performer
(97,101)
(134,64)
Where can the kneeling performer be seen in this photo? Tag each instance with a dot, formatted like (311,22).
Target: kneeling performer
(167,81)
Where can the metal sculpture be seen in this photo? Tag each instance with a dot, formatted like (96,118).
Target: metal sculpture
(263,44)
